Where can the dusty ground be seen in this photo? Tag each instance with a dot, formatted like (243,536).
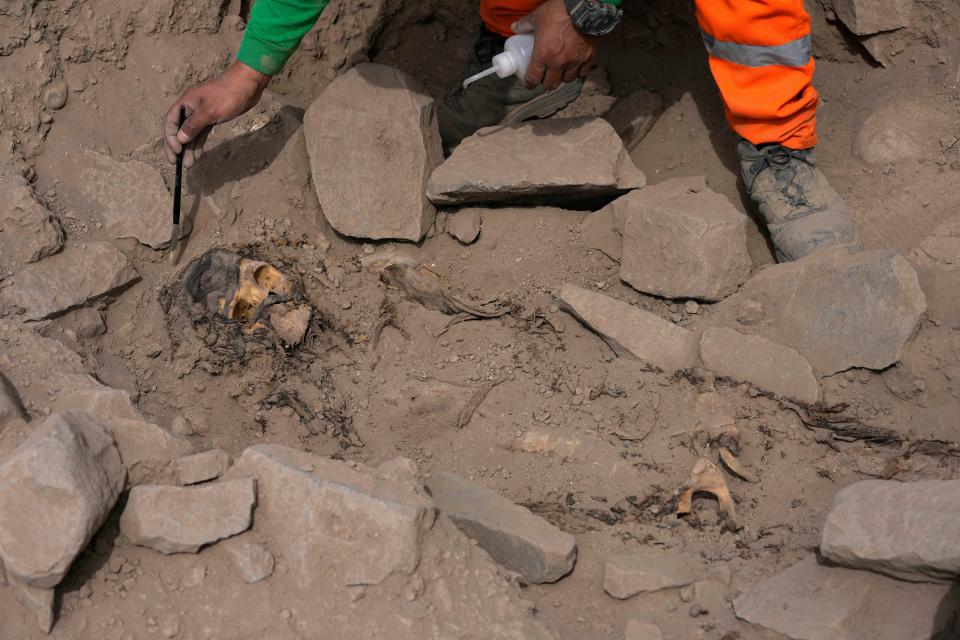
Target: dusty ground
(618,437)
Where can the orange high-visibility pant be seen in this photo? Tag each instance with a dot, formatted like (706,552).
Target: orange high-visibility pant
(759,53)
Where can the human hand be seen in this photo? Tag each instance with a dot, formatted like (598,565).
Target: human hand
(223,98)
(560,52)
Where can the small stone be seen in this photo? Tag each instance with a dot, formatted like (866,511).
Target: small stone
(551,161)
(465,225)
(813,602)
(905,128)
(897,528)
(201,467)
(710,596)
(56,489)
(253,561)
(641,630)
(183,519)
(511,534)
(632,331)
(373,141)
(766,365)
(68,279)
(88,323)
(691,307)
(181,426)
(876,293)
(55,94)
(937,261)
(625,576)
(599,231)
(682,240)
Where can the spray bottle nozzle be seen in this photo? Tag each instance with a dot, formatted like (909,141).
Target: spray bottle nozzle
(477,76)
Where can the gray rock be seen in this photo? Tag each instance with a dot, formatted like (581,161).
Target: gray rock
(557,160)
(55,94)
(131,197)
(68,279)
(56,489)
(710,596)
(904,128)
(937,261)
(38,600)
(632,331)
(864,17)
(599,231)
(30,231)
(624,576)
(373,141)
(465,225)
(766,365)
(513,536)
(641,630)
(362,528)
(682,240)
(902,529)
(813,602)
(633,116)
(183,519)
(839,310)
(252,561)
(203,466)
(147,450)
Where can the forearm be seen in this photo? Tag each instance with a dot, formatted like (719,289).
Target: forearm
(275,30)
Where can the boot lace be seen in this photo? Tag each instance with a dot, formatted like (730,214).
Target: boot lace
(791,169)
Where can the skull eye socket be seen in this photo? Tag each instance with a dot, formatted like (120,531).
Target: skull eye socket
(258,280)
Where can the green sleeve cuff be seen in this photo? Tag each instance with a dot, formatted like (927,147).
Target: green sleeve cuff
(262,56)
(615,3)
(275,30)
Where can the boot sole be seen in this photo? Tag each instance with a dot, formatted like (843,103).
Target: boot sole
(545,105)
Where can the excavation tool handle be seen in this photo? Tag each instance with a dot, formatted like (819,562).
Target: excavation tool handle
(178,179)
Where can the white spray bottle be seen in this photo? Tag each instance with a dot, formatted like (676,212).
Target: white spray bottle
(517,51)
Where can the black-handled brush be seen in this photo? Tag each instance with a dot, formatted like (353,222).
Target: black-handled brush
(177,188)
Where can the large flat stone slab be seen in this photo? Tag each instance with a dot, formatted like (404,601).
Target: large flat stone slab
(373,142)
(362,528)
(131,197)
(512,535)
(813,602)
(903,529)
(766,365)
(682,240)
(56,489)
(183,519)
(68,279)
(839,310)
(555,161)
(631,331)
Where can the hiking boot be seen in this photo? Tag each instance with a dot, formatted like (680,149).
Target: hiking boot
(802,211)
(494,101)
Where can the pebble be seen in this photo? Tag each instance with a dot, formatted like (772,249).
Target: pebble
(55,94)
(692,307)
